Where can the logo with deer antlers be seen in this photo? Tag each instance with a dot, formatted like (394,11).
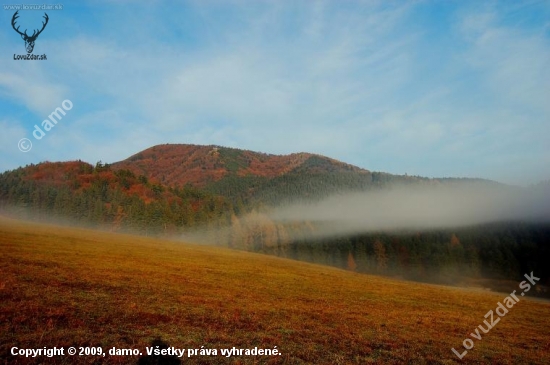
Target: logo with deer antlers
(29,40)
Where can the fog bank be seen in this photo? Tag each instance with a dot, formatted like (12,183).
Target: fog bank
(426,207)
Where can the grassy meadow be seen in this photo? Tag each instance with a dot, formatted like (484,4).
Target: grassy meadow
(66,287)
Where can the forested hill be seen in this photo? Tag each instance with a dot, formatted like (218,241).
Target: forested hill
(184,185)
(246,177)
(83,194)
(179,164)
(254,177)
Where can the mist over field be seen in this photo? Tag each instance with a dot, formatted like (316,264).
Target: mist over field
(414,207)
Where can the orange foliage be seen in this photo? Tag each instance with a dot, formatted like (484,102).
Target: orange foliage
(179,164)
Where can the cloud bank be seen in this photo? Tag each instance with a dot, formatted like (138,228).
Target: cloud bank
(419,208)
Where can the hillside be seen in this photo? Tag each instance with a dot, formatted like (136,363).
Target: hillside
(74,287)
(167,187)
(258,178)
(98,196)
(203,173)
(180,164)
(246,176)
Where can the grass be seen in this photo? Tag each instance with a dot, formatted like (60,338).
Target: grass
(74,287)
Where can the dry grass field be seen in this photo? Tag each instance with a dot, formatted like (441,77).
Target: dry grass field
(73,287)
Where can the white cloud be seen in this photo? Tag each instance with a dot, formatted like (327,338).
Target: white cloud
(28,88)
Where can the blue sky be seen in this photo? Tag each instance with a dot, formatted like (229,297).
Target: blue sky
(430,88)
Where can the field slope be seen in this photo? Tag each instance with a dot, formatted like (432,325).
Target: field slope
(75,287)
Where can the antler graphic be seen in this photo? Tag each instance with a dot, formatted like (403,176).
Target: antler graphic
(29,40)
(43,26)
(13,19)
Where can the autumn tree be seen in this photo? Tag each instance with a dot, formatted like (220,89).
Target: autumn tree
(455,242)
(351,262)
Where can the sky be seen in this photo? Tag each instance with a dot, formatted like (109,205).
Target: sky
(429,88)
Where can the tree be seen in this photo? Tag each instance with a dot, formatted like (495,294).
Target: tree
(351,262)
(455,242)
(380,256)
(403,258)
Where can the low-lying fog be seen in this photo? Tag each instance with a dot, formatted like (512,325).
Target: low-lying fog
(424,207)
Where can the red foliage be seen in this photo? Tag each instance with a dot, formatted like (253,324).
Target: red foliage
(179,164)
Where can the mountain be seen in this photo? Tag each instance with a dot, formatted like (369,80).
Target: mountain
(180,164)
(170,188)
(183,185)
(173,186)
(242,175)
(254,177)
